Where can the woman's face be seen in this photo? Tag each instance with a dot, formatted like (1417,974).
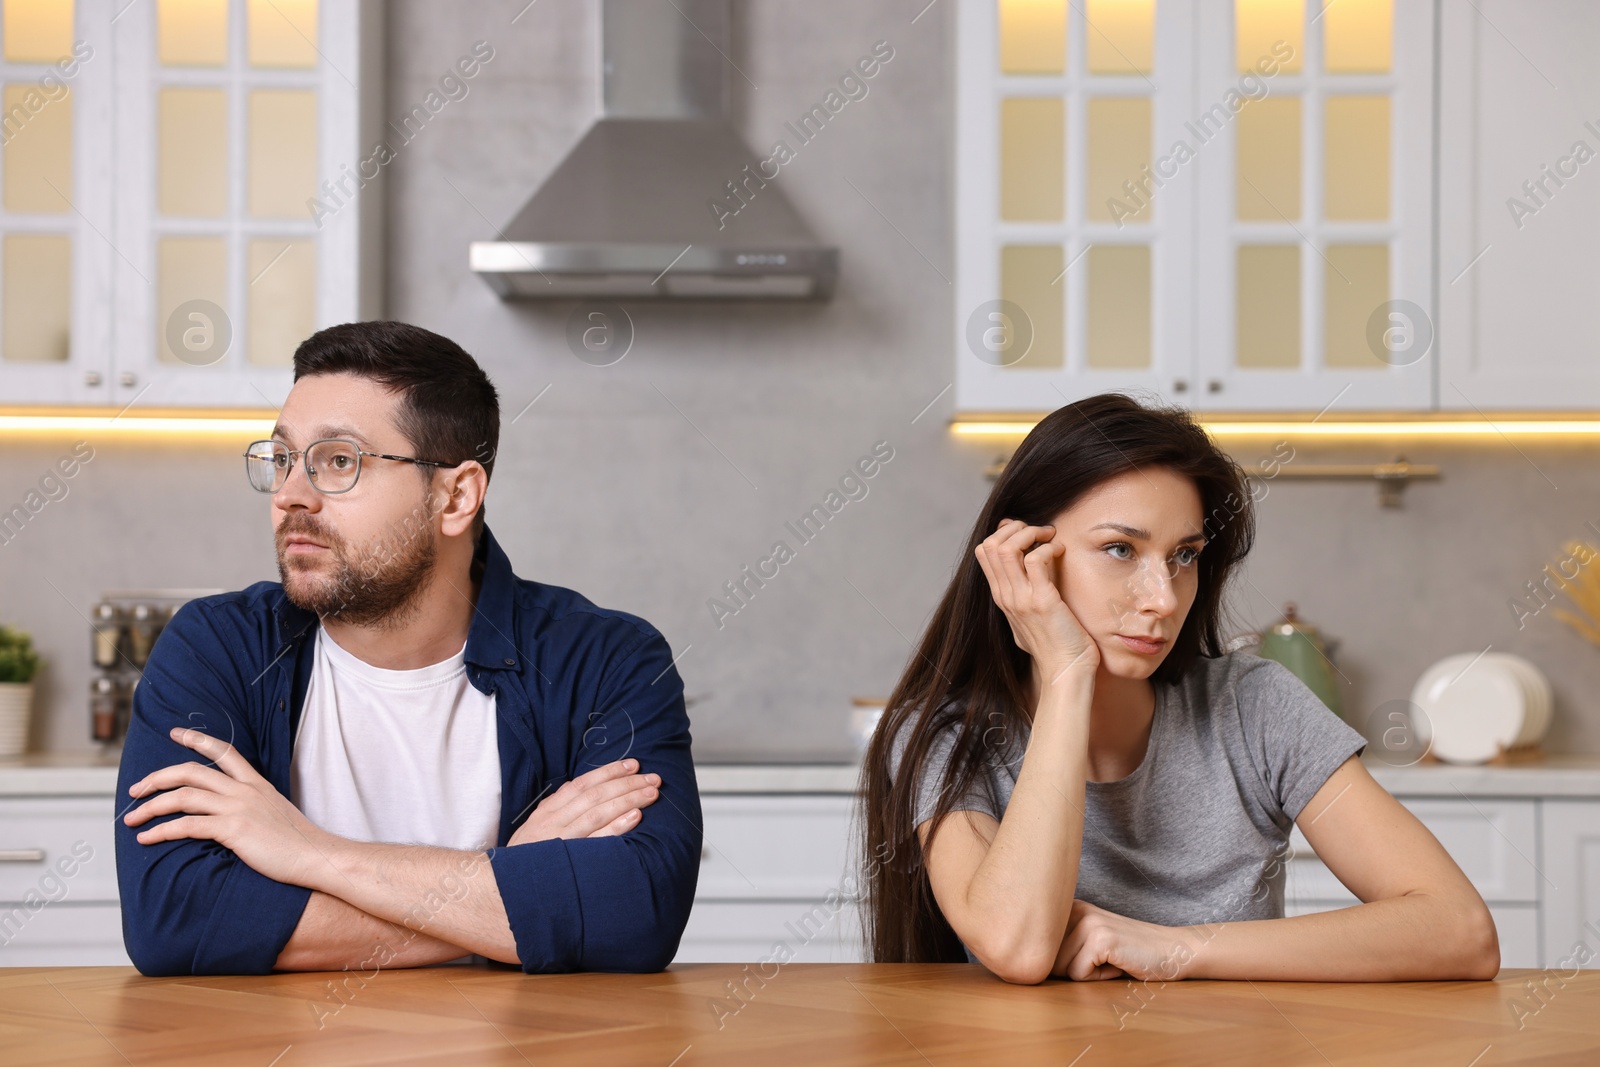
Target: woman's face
(1130,570)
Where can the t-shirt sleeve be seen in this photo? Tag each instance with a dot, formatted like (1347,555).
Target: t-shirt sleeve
(930,776)
(1295,740)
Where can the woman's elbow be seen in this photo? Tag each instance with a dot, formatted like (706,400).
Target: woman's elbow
(1468,943)
(1018,963)
(1480,942)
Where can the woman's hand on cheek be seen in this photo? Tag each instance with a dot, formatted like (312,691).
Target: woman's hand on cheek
(1023,576)
(1101,944)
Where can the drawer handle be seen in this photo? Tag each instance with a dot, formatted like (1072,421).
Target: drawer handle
(705,853)
(21,855)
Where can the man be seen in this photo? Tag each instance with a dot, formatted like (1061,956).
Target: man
(403,754)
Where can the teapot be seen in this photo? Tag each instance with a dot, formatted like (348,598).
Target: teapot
(1299,646)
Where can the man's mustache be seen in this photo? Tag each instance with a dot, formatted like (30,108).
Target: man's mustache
(306,528)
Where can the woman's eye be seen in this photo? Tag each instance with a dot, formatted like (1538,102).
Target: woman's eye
(1118,548)
(1186,556)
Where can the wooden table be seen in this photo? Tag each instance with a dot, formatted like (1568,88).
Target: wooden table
(909,1014)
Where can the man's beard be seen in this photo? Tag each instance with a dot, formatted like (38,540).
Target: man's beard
(383,584)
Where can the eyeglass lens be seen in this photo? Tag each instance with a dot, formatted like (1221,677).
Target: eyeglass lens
(331,465)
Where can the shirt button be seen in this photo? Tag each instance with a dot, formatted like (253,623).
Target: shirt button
(510,663)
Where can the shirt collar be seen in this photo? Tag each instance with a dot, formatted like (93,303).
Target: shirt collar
(489,641)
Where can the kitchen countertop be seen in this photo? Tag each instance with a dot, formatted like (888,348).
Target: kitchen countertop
(1549,776)
(879,1014)
(58,774)
(80,774)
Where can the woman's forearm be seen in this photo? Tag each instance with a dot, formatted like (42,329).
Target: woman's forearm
(1418,936)
(1022,890)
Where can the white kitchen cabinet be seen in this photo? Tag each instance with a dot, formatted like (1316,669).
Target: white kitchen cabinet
(190,260)
(68,935)
(56,260)
(58,883)
(1570,851)
(771,861)
(1519,204)
(775,881)
(1356,257)
(1164,199)
(1040,255)
(752,931)
(780,879)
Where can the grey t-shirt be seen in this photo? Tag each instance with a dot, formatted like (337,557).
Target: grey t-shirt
(1198,832)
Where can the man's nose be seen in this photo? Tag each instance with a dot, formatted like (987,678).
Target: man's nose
(297,490)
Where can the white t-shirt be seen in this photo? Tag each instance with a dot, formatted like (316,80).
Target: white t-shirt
(404,757)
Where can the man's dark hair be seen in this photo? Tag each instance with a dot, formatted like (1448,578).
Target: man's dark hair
(449,409)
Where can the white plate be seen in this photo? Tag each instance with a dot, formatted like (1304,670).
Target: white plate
(1475,714)
(1539,702)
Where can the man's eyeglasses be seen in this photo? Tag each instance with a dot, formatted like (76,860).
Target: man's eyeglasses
(332,464)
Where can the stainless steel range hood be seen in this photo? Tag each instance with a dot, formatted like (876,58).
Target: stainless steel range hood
(661,198)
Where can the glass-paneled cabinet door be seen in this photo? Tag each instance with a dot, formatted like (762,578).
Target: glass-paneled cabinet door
(1315,265)
(242,204)
(55,205)
(1074,209)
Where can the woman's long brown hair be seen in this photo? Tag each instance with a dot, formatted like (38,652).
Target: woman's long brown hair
(968,670)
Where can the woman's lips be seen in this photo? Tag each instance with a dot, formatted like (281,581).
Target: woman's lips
(1142,645)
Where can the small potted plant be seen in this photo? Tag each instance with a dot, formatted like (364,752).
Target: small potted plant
(19,663)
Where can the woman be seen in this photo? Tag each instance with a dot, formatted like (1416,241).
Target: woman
(1070,719)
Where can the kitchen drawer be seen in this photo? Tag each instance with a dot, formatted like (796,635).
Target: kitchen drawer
(761,847)
(62,935)
(1494,841)
(751,931)
(38,832)
(1570,855)
(1517,925)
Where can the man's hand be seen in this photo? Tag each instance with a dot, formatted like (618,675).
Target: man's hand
(1102,944)
(605,802)
(232,804)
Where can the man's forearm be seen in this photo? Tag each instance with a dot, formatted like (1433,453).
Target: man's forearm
(334,935)
(450,894)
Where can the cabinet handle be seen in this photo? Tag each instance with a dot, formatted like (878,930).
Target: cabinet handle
(1214,385)
(705,853)
(91,377)
(128,379)
(21,855)
(1181,385)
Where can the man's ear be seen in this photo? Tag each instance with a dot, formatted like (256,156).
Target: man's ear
(466,486)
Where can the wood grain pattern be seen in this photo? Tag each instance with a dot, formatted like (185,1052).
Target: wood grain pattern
(878,1014)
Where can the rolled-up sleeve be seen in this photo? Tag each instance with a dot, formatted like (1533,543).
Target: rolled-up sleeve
(191,906)
(616,903)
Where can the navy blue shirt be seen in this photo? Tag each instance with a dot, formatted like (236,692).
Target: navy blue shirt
(575,686)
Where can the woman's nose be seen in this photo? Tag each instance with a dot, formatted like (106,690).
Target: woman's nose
(1153,589)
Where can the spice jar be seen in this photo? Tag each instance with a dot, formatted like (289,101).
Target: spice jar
(103,709)
(142,630)
(107,622)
